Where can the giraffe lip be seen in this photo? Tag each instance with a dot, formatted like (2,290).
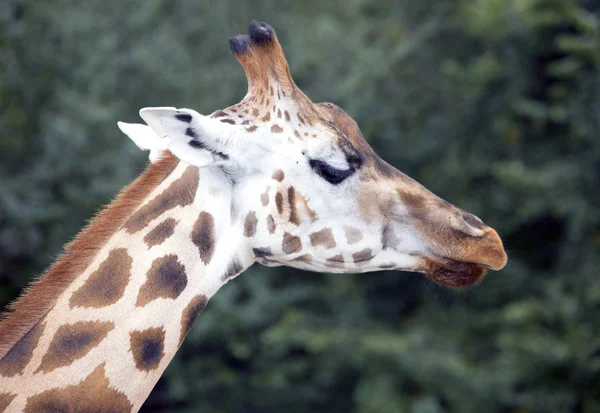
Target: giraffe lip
(454,274)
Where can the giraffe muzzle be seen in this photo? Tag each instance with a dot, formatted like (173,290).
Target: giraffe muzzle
(460,247)
(466,262)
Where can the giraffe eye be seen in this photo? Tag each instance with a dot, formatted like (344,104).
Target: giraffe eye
(329,173)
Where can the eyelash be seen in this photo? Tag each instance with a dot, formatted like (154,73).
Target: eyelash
(329,173)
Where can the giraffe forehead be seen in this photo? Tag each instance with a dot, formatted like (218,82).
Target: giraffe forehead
(282,119)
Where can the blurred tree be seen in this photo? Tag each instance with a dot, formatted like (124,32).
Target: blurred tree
(492,104)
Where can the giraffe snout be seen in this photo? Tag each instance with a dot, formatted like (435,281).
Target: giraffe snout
(492,252)
(479,244)
(461,236)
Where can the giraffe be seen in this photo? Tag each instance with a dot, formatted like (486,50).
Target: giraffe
(274,179)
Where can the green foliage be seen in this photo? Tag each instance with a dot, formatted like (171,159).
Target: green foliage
(492,104)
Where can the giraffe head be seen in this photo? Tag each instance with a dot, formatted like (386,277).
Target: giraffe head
(308,191)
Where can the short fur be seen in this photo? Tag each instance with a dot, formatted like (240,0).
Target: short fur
(41,295)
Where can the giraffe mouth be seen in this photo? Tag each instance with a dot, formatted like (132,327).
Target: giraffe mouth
(454,274)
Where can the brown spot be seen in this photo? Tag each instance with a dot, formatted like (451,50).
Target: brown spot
(271,224)
(218,114)
(166,278)
(19,356)
(264,198)
(294,218)
(352,235)
(252,128)
(161,232)
(279,113)
(106,285)
(246,122)
(267,117)
(306,258)
(203,235)
(278,175)
(73,341)
(250,224)
(147,347)
(92,395)
(5,400)
(323,238)
(413,201)
(301,119)
(262,252)
(291,243)
(307,209)
(276,129)
(190,313)
(297,134)
(271,90)
(180,193)
(337,261)
(279,202)
(287,116)
(363,255)
(255,112)
(233,269)
(231,121)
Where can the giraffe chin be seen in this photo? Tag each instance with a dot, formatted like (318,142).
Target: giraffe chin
(454,274)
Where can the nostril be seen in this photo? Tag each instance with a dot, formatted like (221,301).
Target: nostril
(473,221)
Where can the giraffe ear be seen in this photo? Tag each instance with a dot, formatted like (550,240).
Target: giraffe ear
(193,138)
(145,138)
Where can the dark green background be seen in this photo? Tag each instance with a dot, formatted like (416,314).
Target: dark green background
(492,104)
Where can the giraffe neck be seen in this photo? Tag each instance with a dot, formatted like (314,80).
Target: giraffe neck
(115,328)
